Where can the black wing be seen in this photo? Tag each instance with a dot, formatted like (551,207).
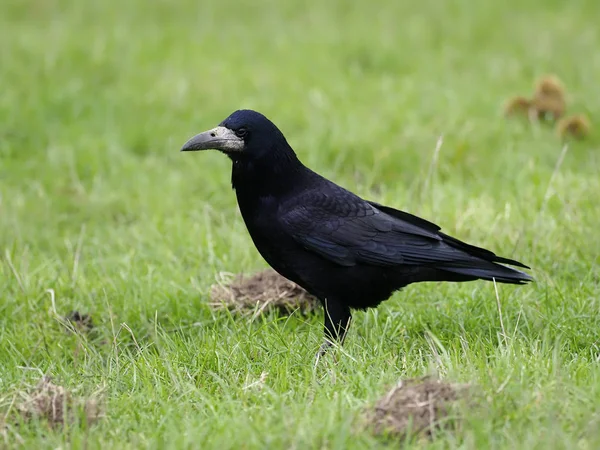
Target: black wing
(347,230)
(467,248)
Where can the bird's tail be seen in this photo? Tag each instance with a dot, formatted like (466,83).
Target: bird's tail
(483,264)
(486,270)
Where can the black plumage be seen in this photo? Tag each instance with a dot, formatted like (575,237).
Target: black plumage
(349,252)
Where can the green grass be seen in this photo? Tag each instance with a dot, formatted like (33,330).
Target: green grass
(98,205)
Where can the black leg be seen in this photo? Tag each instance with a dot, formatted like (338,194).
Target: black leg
(337,322)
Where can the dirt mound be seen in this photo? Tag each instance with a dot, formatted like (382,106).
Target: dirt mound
(549,104)
(415,407)
(56,405)
(261,292)
(577,127)
(80,321)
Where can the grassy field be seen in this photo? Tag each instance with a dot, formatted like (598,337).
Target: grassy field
(100,213)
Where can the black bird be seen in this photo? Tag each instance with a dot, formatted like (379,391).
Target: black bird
(348,252)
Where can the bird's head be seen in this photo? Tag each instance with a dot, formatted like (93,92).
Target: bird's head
(244,135)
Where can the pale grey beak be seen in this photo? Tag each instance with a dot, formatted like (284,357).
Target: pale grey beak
(219,138)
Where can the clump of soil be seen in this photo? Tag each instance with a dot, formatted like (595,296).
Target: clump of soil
(415,407)
(519,105)
(577,127)
(549,98)
(80,321)
(549,104)
(261,292)
(56,405)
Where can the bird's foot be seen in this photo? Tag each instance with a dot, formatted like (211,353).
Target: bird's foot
(325,346)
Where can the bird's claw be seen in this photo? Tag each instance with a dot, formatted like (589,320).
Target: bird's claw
(325,346)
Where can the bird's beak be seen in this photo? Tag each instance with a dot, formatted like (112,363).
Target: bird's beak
(219,138)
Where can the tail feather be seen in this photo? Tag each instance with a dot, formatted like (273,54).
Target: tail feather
(480,252)
(484,264)
(471,262)
(490,271)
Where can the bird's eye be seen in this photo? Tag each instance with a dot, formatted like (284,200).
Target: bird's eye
(241,132)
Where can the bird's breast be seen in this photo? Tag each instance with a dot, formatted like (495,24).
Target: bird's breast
(278,248)
(260,217)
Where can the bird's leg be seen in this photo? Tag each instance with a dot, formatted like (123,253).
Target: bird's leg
(337,322)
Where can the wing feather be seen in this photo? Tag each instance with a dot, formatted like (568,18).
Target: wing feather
(354,231)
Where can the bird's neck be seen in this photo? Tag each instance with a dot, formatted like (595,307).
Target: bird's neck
(260,192)
(267,177)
